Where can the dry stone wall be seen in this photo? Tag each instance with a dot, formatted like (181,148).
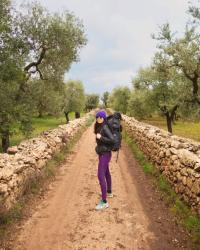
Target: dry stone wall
(25,162)
(178,158)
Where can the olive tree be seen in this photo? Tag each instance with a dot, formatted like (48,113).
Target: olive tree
(34,44)
(182,56)
(74,98)
(119,98)
(105,98)
(159,94)
(92,101)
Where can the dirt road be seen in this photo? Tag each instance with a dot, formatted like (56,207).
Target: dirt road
(66,218)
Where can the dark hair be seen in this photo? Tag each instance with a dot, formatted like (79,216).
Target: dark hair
(98,126)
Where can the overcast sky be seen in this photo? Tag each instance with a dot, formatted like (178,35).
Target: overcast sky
(119,37)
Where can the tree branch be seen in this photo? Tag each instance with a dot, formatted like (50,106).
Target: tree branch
(173,112)
(193,100)
(36,64)
(187,75)
(38,61)
(193,79)
(40,73)
(164,109)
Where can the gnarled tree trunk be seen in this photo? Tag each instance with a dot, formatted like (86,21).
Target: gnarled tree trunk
(5,140)
(169,122)
(77,115)
(169,116)
(67,116)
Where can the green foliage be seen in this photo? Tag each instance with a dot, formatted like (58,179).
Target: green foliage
(195,12)
(74,96)
(164,185)
(34,44)
(50,169)
(153,91)
(119,98)
(92,101)
(178,57)
(191,112)
(170,85)
(13,215)
(55,37)
(46,99)
(59,157)
(139,104)
(105,99)
(5,15)
(168,82)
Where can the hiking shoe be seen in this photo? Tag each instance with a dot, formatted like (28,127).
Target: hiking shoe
(102,205)
(110,195)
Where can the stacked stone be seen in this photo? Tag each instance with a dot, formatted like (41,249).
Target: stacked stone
(176,157)
(24,162)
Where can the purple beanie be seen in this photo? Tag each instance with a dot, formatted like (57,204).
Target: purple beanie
(101,114)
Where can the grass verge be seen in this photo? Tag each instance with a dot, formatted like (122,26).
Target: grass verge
(189,219)
(39,125)
(187,129)
(36,185)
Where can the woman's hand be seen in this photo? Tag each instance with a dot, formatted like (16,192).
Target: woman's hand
(98,136)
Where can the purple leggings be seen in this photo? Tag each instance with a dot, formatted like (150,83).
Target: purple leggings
(104,174)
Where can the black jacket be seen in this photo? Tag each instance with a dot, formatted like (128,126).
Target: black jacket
(105,143)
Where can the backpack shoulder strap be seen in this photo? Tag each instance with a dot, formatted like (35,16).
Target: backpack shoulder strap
(109,126)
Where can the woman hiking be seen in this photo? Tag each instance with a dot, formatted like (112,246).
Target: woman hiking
(105,140)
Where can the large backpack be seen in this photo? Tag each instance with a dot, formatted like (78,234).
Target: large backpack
(114,123)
